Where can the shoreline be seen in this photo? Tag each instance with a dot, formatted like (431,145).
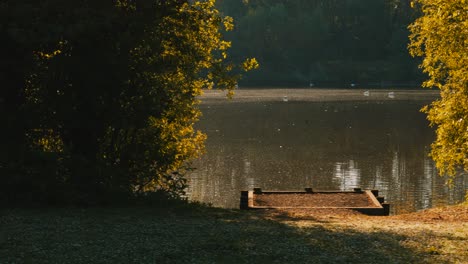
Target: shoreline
(319,95)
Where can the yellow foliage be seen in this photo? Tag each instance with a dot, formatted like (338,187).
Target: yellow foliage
(49,141)
(50,55)
(58,49)
(228,23)
(250,64)
(440,36)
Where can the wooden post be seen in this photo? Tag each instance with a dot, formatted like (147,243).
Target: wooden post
(257,190)
(386,207)
(244,200)
(381,199)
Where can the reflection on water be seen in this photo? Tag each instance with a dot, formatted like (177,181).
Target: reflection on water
(347,175)
(328,145)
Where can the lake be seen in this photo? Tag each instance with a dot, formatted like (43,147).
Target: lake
(289,139)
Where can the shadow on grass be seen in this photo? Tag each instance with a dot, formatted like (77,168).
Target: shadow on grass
(189,235)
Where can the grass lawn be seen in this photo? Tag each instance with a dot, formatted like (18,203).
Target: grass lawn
(198,234)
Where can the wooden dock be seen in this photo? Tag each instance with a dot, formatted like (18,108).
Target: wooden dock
(365,201)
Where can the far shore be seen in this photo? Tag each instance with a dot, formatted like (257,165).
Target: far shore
(321,95)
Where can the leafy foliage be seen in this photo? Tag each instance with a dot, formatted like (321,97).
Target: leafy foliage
(100,98)
(440,36)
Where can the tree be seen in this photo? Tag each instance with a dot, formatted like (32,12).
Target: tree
(101,98)
(440,36)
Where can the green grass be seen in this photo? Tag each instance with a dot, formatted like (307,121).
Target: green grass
(198,234)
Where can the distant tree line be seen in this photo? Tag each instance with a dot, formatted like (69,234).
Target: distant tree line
(98,98)
(324,42)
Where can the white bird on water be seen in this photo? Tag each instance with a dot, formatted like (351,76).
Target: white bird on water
(366,93)
(285,98)
(391,95)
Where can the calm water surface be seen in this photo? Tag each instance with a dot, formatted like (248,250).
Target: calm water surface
(325,139)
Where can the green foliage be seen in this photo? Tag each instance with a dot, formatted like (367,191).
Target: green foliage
(327,42)
(100,98)
(440,36)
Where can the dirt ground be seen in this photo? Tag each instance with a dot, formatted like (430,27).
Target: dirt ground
(447,214)
(313,200)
